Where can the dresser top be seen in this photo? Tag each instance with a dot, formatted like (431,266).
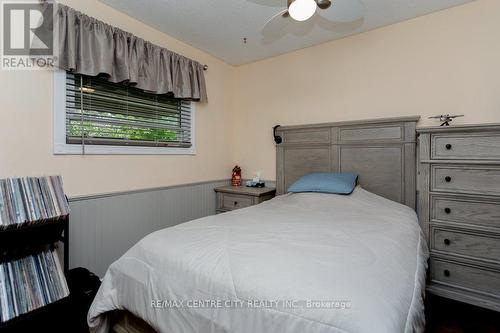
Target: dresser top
(253,191)
(460,128)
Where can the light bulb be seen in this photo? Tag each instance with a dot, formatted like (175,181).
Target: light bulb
(301,10)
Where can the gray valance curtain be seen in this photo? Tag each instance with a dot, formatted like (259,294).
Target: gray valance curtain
(91,47)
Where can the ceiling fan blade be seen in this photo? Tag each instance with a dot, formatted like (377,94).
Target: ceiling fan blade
(344,11)
(338,27)
(281,15)
(268,3)
(281,27)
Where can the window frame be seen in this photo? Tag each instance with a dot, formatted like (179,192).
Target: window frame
(63,148)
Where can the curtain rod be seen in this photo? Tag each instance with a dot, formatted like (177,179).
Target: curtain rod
(205,67)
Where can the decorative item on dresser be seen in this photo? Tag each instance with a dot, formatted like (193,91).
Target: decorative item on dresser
(232,198)
(459,208)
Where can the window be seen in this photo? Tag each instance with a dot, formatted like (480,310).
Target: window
(95,116)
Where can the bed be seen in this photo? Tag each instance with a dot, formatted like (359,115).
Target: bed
(302,262)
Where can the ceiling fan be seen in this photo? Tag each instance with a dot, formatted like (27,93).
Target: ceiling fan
(301,10)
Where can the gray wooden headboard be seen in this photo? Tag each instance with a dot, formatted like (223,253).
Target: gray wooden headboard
(381,151)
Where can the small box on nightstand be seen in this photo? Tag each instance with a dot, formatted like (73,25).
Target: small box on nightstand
(236,197)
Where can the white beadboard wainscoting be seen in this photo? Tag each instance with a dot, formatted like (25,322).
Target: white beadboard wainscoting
(104,227)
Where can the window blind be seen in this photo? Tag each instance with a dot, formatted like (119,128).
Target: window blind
(99,112)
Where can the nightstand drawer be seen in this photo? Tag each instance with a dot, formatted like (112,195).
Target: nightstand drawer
(236,197)
(464,276)
(466,210)
(463,146)
(235,201)
(476,180)
(466,244)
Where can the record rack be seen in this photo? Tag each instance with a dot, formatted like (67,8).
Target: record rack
(34,221)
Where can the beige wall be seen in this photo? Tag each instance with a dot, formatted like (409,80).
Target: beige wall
(446,62)
(26,126)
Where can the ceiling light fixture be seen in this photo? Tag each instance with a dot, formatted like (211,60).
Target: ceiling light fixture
(301,10)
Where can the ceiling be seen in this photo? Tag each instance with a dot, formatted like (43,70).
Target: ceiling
(219,26)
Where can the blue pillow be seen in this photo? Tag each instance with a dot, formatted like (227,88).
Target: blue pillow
(338,183)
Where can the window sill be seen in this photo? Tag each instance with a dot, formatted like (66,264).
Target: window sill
(65,149)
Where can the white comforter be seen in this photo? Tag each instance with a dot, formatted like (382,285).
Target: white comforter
(361,249)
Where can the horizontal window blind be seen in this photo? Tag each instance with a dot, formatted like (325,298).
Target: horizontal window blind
(99,112)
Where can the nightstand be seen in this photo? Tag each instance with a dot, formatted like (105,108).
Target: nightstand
(236,197)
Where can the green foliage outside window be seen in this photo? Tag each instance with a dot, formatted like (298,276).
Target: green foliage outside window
(115,131)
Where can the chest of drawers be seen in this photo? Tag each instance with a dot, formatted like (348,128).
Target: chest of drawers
(459,209)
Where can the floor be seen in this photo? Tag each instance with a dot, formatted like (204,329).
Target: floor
(446,316)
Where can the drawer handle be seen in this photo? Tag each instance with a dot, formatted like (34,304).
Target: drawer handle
(236,203)
(447,210)
(446,273)
(448,146)
(447,241)
(448,179)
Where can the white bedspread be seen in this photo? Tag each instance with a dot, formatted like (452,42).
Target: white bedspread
(361,249)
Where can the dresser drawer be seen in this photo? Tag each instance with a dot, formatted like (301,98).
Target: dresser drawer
(235,201)
(465,179)
(465,210)
(466,146)
(466,244)
(464,276)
